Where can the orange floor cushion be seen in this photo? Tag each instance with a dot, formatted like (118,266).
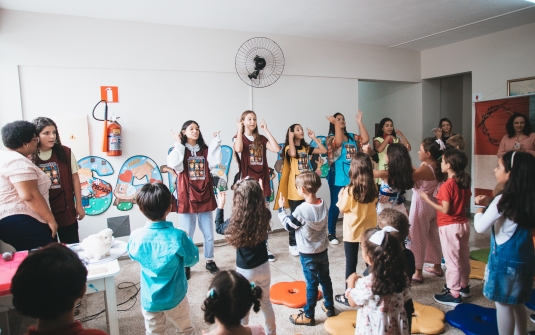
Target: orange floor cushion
(427,320)
(477,269)
(342,324)
(290,294)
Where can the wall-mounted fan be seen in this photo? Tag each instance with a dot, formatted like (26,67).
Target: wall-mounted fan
(259,62)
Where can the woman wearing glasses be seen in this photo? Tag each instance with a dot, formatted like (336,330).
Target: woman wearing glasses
(26,221)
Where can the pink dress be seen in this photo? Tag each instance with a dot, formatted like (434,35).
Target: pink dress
(376,317)
(425,241)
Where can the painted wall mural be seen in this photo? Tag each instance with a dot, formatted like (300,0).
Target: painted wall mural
(136,167)
(96,193)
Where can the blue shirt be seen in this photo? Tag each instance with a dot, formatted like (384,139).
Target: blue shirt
(343,163)
(162,251)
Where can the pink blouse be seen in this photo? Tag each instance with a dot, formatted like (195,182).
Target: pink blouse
(16,168)
(527,144)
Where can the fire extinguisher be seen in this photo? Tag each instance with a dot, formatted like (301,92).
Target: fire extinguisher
(112,135)
(114,132)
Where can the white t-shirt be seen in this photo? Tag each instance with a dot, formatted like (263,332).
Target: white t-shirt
(503,227)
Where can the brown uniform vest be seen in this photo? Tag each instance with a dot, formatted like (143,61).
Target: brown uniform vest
(194,184)
(61,193)
(250,165)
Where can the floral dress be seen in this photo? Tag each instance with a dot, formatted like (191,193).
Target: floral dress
(376,317)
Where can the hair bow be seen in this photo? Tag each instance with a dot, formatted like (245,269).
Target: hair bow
(441,144)
(379,236)
(513,159)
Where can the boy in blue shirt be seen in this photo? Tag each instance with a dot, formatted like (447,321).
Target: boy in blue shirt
(162,251)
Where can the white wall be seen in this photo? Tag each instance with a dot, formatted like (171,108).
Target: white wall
(492,59)
(165,73)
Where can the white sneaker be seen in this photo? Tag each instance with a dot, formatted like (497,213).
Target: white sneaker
(333,239)
(293,250)
(271,257)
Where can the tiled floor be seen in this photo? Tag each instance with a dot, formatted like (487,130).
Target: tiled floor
(285,268)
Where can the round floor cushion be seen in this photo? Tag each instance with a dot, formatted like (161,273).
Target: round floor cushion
(427,320)
(473,319)
(291,294)
(477,269)
(342,324)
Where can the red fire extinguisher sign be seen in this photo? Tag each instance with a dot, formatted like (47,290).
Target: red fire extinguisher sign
(109,93)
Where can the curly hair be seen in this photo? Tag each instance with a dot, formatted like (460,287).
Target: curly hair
(303,143)
(509,126)
(399,167)
(40,124)
(250,218)
(387,264)
(230,298)
(518,195)
(361,181)
(430,145)
(458,161)
(17,133)
(200,140)
(396,219)
(48,282)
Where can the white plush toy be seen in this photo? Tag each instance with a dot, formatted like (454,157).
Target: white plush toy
(98,245)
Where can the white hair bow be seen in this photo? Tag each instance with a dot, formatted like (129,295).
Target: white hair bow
(441,144)
(379,236)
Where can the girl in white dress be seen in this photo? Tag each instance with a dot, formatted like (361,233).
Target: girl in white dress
(381,295)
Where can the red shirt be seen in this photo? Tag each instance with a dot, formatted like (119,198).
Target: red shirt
(458,199)
(74,328)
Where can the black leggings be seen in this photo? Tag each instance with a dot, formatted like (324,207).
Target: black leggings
(291,234)
(352,256)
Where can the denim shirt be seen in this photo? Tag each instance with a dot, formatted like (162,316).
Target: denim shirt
(162,251)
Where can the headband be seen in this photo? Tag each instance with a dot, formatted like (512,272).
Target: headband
(441,144)
(513,159)
(379,236)
(212,294)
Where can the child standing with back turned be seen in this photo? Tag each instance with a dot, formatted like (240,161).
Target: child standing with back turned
(453,226)
(162,251)
(309,221)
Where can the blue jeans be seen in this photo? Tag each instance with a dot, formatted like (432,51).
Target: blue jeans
(334,211)
(316,271)
(206,225)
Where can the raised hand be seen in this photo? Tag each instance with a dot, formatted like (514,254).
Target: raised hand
(311,134)
(291,134)
(438,132)
(263,125)
(281,201)
(332,119)
(177,137)
(221,199)
(359,116)
(217,133)
(482,200)
(239,124)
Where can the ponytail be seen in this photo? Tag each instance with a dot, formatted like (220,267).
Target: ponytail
(458,161)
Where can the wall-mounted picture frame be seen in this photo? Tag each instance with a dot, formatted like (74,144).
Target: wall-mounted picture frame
(521,86)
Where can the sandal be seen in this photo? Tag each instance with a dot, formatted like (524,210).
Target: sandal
(417,280)
(341,298)
(432,270)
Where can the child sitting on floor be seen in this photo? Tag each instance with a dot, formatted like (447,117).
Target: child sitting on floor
(46,286)
(162,251)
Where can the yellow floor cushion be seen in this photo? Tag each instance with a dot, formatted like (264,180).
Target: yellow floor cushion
(342,324)
(477,269)
(427,319)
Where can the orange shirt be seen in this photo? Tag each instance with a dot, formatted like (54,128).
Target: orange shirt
(458,199)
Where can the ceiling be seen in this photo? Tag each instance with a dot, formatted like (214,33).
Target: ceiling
(375,22)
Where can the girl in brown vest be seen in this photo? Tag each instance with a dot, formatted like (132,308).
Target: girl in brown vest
(192,160)
(65,195)
(252,146)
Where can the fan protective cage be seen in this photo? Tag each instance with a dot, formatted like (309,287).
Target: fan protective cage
(265,48)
